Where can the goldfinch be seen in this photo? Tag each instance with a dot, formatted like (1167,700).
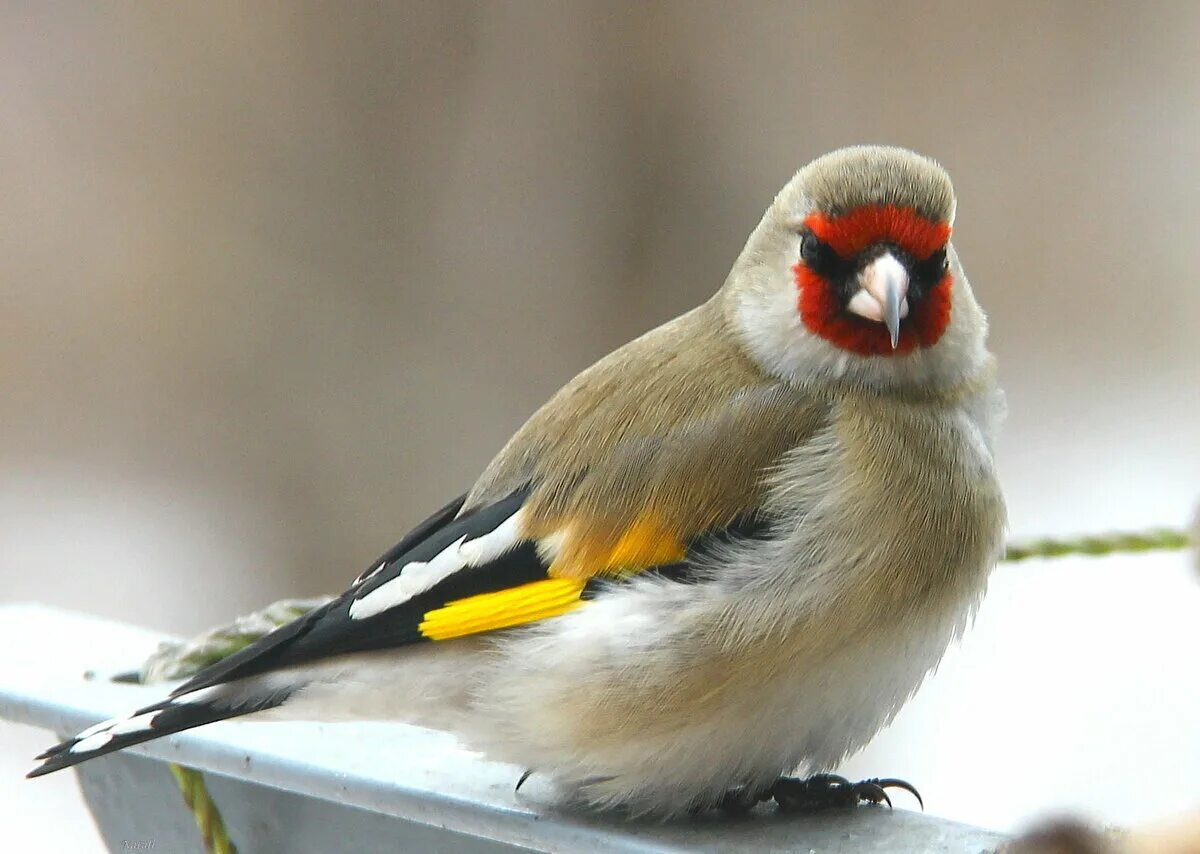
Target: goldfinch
(730,550)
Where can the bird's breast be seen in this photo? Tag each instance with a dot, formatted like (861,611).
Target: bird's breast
(895,507)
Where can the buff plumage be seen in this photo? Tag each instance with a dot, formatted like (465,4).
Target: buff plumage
(675,579)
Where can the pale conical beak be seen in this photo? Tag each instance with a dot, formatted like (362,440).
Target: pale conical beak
(891,311)
(883,296)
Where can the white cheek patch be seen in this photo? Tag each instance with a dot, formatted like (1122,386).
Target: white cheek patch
(419,576)
(772,330)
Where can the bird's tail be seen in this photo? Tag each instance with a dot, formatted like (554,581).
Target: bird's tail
(175,714)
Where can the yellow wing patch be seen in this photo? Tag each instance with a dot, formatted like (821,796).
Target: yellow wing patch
(645,543)
(526,603)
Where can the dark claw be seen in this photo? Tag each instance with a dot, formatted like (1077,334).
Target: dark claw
(893,783)
(872,793)
(824,791)
(521,782)
(820,791)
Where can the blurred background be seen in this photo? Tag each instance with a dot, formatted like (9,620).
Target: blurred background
(278,279)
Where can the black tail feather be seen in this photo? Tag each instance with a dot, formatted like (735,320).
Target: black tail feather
(169,717)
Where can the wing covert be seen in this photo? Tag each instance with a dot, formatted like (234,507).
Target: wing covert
(332,630)
(484,563)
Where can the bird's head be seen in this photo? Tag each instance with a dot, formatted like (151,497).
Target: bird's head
(850,276)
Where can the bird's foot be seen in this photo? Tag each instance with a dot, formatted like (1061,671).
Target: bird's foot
(823,791)
(818,792)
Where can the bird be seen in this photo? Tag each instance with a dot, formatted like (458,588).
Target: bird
(726,553)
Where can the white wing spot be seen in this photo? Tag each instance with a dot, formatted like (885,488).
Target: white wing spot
(419,576)
(138,723)
(414,578)
(98,735)
(490,546)
(92,742)
(200,695)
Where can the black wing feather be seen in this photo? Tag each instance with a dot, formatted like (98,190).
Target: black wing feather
(329,630)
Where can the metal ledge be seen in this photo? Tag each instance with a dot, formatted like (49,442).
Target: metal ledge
(360,787)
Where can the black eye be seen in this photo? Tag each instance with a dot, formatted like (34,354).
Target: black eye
(810,247)
(930,271)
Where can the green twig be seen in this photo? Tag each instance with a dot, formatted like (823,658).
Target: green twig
(213,834)
(1102,544)
(181,660)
